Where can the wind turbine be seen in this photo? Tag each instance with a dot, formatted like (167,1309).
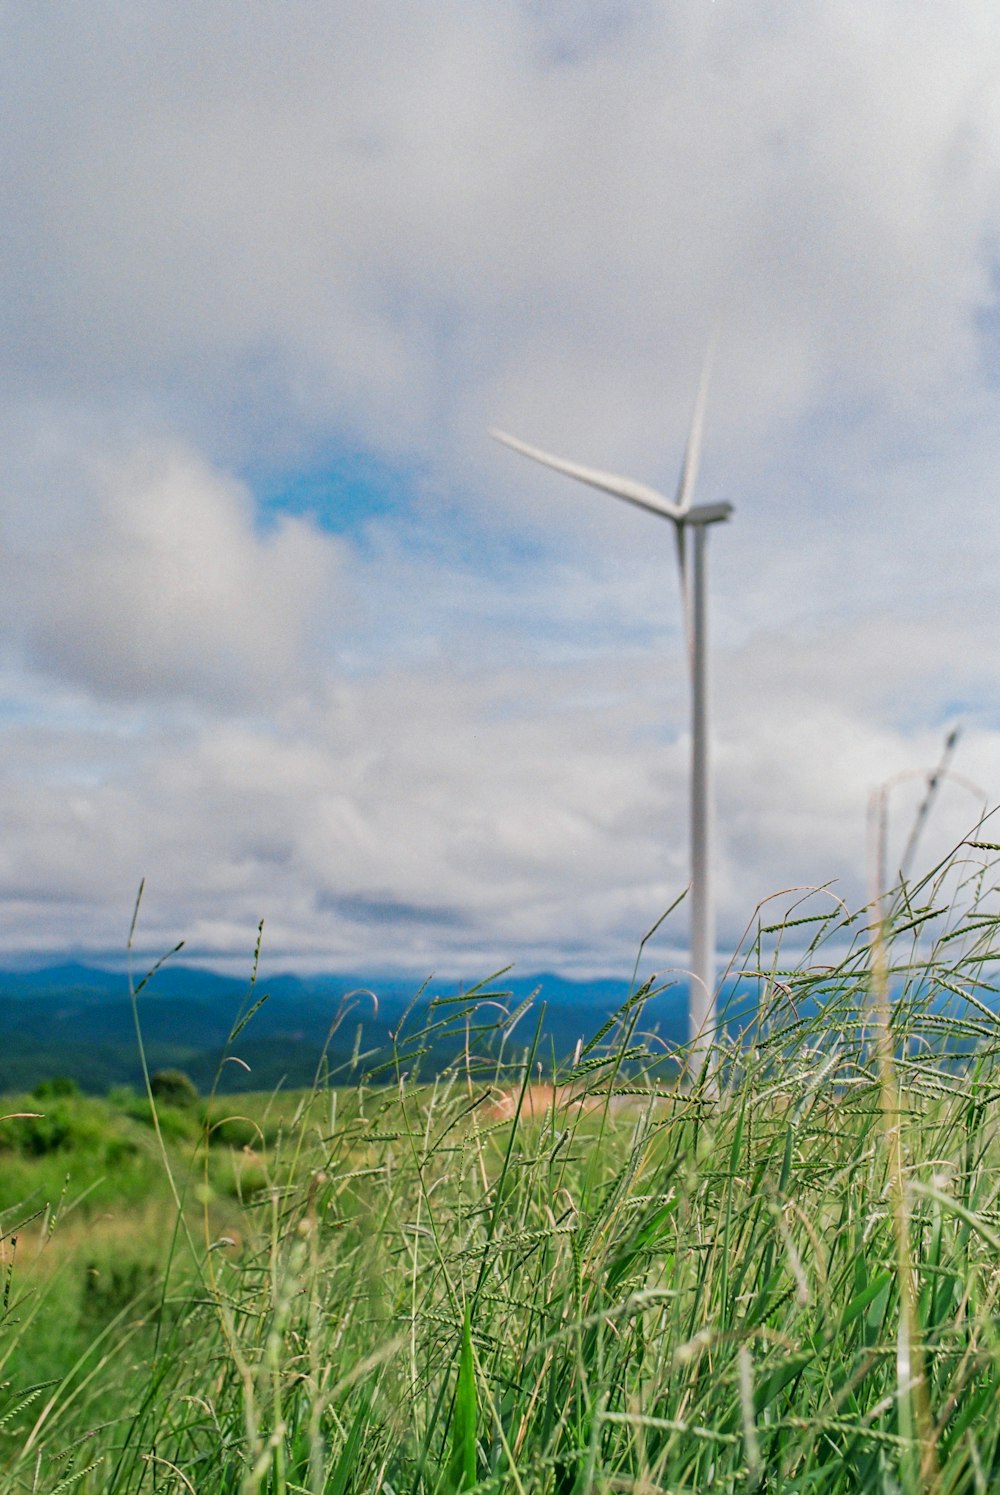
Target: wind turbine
(691,523)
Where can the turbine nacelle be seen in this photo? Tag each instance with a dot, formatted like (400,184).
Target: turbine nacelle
(708,514)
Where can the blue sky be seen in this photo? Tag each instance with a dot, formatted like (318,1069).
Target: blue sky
(283,631)
(340,490)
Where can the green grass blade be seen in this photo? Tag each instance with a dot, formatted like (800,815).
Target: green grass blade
(462,1465)
(347,1459)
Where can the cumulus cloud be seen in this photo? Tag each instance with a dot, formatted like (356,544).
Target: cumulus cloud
(240,239)
(428,820)
(378,212)
(153,578)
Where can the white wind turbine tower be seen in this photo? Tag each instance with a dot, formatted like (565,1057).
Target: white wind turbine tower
(691,524)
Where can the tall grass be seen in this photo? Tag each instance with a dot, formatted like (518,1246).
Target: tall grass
(785,1279)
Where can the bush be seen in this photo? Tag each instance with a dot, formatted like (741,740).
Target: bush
(174,1088)
(124,1098)
(109,1288)
(241,1131)
(58,1087)
(52,1132)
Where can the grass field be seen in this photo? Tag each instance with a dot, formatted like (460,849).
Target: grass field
(783,1277)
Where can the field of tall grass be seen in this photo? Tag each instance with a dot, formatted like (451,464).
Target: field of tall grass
(779,1275)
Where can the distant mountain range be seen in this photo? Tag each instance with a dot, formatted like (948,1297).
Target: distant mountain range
(77,1020)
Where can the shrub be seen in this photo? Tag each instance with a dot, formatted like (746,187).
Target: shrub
(52,1132)
(58,1087)
(124,1098)
(173,1087)
(242,1131)
(110,1287)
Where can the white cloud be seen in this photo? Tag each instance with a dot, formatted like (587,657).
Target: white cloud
(451,822)
(238,236)
(380,211)
(157,581)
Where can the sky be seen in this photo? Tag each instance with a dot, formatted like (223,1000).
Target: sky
(285,634)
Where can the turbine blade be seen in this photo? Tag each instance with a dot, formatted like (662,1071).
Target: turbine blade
(681,536)
(692,452)
(607,482)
